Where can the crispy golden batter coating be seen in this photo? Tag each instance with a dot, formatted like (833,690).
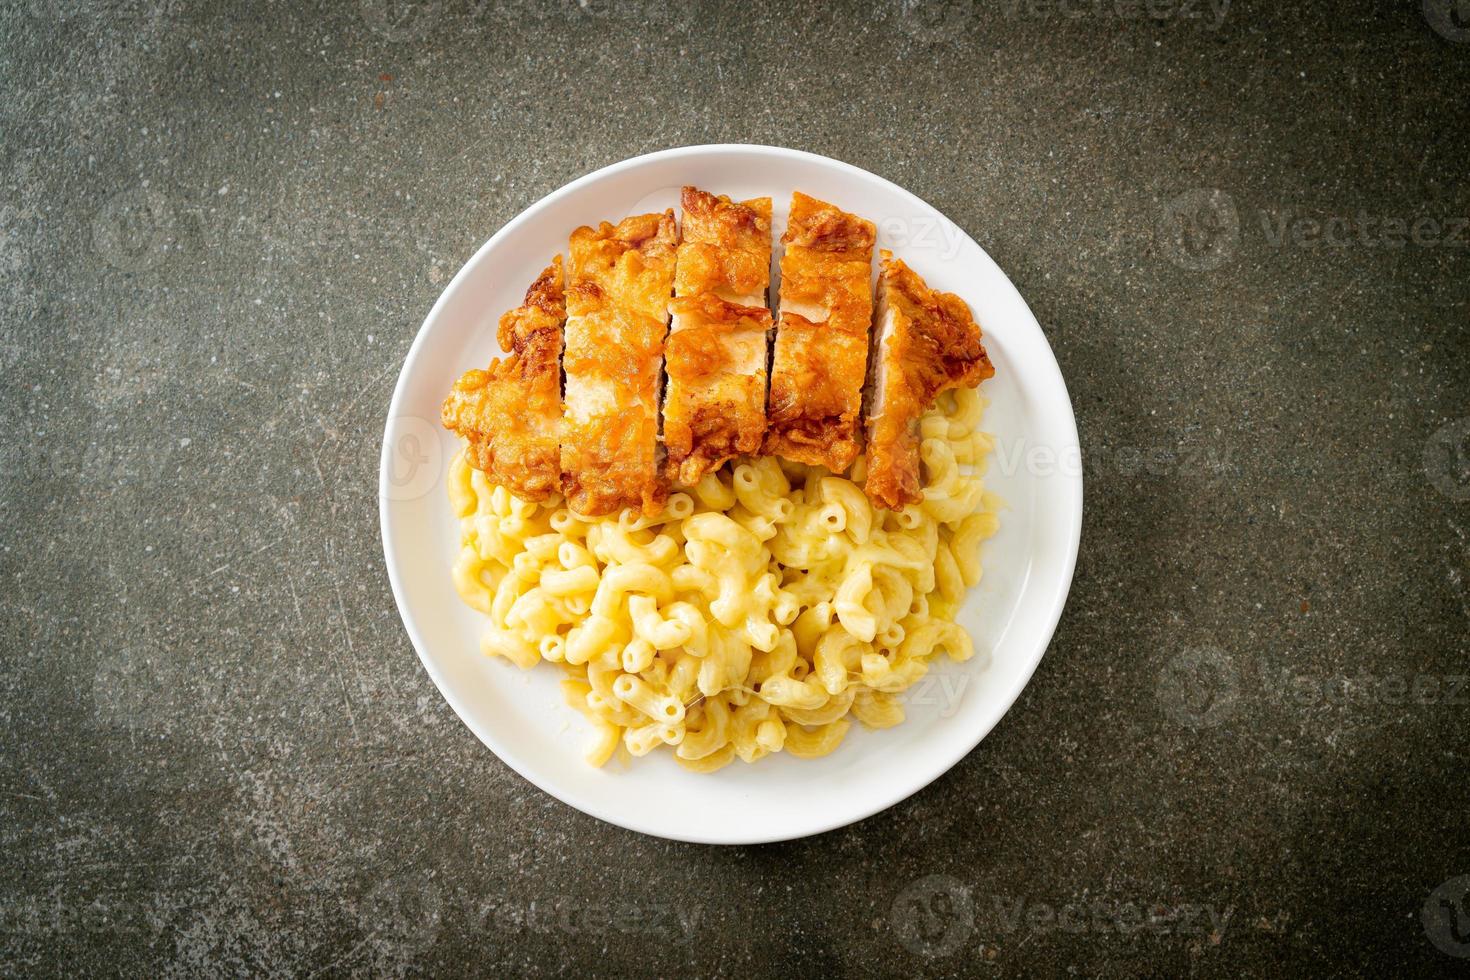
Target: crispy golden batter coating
(725,247)
(607,327)
(717,385)
(928,342)
(716,361)
(510,414)
(619,280)
(822,341)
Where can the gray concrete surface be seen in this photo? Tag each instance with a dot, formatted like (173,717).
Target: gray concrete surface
(1245,753)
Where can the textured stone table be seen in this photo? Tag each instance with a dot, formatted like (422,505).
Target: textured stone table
(1243,228)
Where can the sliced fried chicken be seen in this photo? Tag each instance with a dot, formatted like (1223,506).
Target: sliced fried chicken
(926,342)
(822,341)
(716,360)
(619,281)
(510,413)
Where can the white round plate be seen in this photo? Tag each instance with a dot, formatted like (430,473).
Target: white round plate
(520,715)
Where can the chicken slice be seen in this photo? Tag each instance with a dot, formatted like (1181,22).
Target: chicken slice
(927,342)
(716,361)
(822,340)
(618,283)
(510,413)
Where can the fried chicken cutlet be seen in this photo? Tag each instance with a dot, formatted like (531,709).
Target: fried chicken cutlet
(715,407)
(821,355)
(619,281)
(510,413)
(926,342)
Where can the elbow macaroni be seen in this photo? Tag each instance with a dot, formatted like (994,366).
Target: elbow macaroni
(766,608)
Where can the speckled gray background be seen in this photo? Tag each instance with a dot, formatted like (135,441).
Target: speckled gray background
(1245,752)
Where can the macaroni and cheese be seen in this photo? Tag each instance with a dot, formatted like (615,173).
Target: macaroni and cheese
(762,611)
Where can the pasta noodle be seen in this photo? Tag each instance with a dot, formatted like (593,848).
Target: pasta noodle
(763,611)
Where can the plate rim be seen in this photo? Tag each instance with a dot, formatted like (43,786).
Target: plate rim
(879,801)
